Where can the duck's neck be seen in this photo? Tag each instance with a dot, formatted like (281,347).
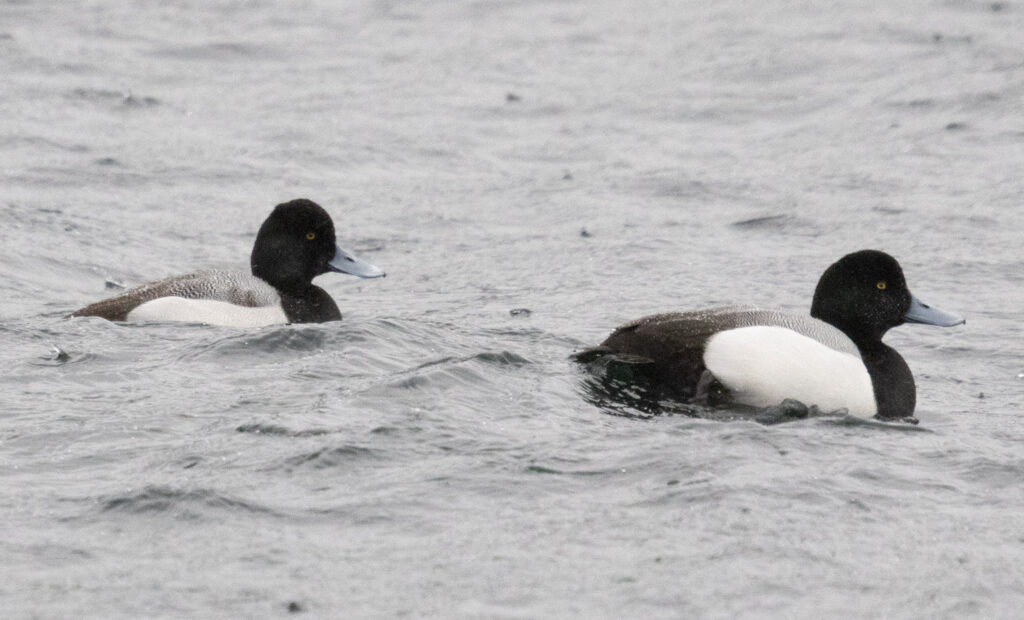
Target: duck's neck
(891,379)
(312,306)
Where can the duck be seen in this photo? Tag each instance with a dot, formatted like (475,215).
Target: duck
(833,359)
(295,244)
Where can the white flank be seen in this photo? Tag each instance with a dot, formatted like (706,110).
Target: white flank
(207,311)
(762,366)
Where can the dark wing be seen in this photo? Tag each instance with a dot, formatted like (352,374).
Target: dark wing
(667,349)
(669,346)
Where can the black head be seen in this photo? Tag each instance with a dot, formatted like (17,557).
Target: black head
(294,245)
(864,294)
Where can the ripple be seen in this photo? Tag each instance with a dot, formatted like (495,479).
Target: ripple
(220,51)
(114,97)
(994,473)
(330,457)
(271,343)
(54,553)
(189,504)
(902,425)
(470,370)
(258,428)
(783,223)
(503,358)
(541,469)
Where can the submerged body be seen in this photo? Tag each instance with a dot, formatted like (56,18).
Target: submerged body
(834,358)
(295,244)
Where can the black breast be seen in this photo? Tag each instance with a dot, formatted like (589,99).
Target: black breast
(315,306)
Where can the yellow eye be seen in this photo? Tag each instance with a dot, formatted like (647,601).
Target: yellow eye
(881,285)
(311,235)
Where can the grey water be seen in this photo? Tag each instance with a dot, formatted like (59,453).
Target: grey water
(530,174)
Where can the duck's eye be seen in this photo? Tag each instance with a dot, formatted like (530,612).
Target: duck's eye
(881,285)
(311,235)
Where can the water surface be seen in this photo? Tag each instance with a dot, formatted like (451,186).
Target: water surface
(434,454)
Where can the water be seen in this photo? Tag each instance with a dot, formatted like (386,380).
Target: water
(435,454)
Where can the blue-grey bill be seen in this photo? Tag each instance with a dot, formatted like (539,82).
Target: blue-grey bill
(343,262)
(921,312)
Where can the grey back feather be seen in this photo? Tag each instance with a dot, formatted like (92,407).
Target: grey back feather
(235,287)
(714,320)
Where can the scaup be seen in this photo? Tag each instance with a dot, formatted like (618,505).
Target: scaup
(295,244)
(834,358)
